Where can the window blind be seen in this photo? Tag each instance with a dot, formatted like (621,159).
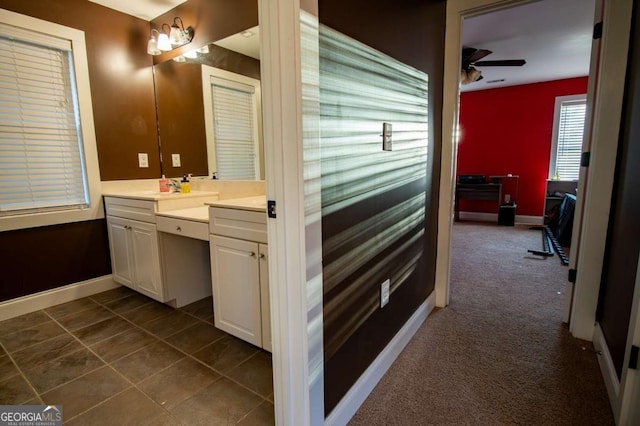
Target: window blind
(235,134)
(41,160)
(570,132)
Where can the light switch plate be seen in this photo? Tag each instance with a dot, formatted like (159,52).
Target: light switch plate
(175,160)
(384,293)
(143,160)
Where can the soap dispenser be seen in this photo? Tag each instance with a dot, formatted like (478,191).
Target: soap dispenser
(165,184)
(185,185)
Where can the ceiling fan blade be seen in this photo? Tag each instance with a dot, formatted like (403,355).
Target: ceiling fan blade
(470,55)
(501,63)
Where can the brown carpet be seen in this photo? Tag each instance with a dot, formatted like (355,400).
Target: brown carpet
(499,353)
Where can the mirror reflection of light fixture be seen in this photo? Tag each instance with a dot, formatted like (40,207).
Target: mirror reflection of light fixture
(175,36)
(192,54)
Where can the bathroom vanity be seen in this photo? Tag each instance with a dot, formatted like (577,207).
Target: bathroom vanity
(240,269)
(141,257)
(179,248)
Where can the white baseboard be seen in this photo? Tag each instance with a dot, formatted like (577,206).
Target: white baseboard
(607,368)
(479,217)
(493,217)
(46,299)
(350,403)
(529,220)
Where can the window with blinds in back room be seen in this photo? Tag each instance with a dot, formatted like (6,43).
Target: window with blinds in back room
(41,158)
(568,134)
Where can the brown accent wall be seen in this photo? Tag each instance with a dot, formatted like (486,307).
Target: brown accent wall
(121,81)
(212,20)
(412,32)
(623,245)
(180,107)
(39,259)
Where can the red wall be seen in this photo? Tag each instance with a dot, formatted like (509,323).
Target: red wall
(508,130)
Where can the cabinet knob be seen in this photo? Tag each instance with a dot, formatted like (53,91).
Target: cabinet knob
(262,256)
(252,254)
(178,229)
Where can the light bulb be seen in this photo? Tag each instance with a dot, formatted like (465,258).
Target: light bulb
(163,42)
(175,36)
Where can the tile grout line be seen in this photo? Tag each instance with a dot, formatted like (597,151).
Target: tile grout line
(154,336)
(21,373)
(192,357)
(132,384)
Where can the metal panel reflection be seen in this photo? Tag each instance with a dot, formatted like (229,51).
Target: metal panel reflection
(373,201)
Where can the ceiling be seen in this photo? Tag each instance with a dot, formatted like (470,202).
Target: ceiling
(143,9)
(553,36)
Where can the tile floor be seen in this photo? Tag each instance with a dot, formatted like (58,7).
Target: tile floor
(121,358)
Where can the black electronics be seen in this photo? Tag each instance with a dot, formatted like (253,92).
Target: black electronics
(472,179)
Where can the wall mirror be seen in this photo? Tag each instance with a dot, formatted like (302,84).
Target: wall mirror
(180,105)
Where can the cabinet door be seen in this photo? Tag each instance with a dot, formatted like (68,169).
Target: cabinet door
(146,259)
(263,258)
(119,247)
(236,288)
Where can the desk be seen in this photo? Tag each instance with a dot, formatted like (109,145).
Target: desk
(476,191)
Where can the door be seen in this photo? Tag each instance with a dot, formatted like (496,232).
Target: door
(120,251)
(236,288)
(619,294)
(146,259)
(263,258)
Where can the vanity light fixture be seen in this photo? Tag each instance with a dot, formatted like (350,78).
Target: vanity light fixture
(178,34)
(163,40)
(152,45)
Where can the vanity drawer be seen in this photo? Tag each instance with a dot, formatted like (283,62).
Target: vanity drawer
(131,209)
(186,228)
(242,224)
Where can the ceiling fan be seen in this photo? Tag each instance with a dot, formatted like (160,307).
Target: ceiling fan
(471,58)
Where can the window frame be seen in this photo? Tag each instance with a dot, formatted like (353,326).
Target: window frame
(209,73)
(553,157)
(26,219)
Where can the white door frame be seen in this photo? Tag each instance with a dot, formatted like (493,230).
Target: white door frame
(598,186)
(457,10)
(280,45)
(608,109)
(626,409)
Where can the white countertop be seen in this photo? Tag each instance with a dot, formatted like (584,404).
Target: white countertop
(197,214)
(257,203)
(157,195)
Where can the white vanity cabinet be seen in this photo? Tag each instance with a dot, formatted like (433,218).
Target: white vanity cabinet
(135,251)
(240,274)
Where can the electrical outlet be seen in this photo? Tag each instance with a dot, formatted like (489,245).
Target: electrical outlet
(143,159)
(175,160)
(507,198)
(384,293)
